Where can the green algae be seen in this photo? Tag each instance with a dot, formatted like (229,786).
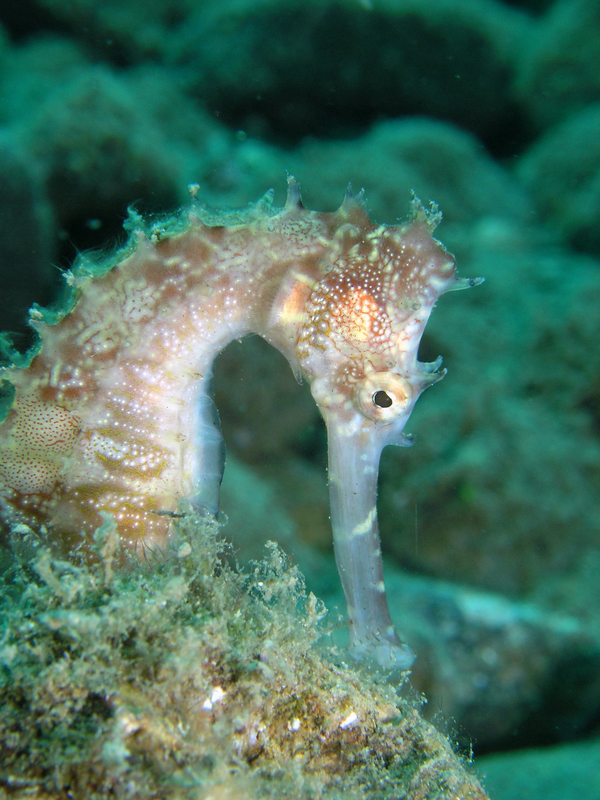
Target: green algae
(186,677)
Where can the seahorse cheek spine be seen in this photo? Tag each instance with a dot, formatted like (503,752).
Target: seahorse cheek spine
(114,412)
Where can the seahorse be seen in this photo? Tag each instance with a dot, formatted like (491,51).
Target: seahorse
(112,409)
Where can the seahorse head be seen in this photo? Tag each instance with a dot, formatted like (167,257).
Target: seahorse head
(365,318)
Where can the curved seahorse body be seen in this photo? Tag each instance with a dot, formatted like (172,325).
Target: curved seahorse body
(113,411)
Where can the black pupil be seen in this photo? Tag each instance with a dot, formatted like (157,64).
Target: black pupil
(382,399)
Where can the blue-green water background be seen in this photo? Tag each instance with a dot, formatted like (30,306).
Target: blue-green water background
(490,109)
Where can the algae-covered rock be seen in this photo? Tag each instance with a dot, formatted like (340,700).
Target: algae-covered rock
(33,69)
(321,66)
(27,247)
(568,772)
(559,66)
(96,149)
(562,172)
(186,678)
(451,60)
(503,673)
(432,158)
(536,6)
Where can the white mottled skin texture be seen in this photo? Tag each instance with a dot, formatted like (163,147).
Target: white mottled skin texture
(113,413)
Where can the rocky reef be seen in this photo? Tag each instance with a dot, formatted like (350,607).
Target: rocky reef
(187,677)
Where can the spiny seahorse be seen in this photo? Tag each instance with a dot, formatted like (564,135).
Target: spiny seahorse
(112,410)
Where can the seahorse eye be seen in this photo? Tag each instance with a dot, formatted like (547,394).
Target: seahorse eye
(383,396)
(382,399)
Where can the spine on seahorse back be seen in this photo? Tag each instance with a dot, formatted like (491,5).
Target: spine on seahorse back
(114,412)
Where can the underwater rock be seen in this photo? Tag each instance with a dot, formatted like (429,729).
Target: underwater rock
(536,6)
(503,674)
(451,59)
(34,68)
(435,159)
(126,32)
(558,71)
(388,59)
(26,271)
(557,773)
(561,170)
(185,678)
(98,139)
(96,150)
(5,55)
(263,410)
